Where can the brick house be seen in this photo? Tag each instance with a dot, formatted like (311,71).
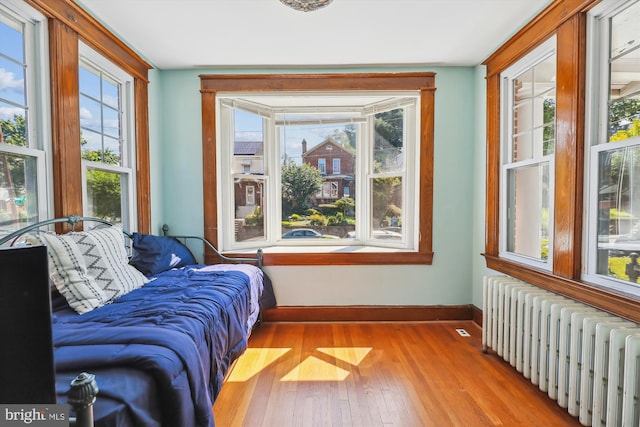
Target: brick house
(336,164)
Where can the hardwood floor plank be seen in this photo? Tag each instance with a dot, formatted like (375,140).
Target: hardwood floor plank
(369,374)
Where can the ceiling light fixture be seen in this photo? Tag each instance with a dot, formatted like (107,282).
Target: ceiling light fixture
(306,5)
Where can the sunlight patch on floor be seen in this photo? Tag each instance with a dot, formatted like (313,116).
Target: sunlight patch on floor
(253,361)
(315,369)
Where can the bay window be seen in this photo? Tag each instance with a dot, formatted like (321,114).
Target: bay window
(340,164)
(351,167)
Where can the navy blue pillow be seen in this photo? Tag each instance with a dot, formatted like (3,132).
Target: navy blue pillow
(155,254)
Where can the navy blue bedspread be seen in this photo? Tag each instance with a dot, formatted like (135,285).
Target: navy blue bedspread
(159,353)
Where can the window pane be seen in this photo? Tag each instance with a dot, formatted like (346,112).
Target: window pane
(386,220)
(12,40)
(13,126)
(110,93)
(104,194)
(534,111)
(528,211)
(13,102)
(388,143)
(100,117)
(18,192)
(111,120)
(318,179)
(89,83)
(618,210)
(624,83)
(91,145)
(249,209)
(12,81)
(248,145)
(248,158)
(624,118)
(112,151)
(90,117)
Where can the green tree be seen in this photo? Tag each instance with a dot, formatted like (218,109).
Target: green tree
(299,183)
(388,141)
(14,132)
(12,169)
(106,193)
(389,126)
(350,132)
(104,186)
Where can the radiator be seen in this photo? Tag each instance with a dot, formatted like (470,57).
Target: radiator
(584,358)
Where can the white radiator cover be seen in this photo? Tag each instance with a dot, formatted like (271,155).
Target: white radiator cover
(584,358)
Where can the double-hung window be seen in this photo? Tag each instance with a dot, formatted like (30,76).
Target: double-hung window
(107,139)
(341,164)
(23,117)
(613,146)
(527,157)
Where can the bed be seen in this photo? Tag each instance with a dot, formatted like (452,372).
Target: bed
(157,329)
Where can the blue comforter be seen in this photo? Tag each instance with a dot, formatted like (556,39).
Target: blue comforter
(160,353)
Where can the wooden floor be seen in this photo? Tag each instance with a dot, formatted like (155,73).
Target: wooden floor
(378,374)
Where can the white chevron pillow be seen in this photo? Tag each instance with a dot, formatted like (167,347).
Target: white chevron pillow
(90,268)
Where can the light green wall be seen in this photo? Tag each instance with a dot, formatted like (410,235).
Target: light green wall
(155,150)
(177,196)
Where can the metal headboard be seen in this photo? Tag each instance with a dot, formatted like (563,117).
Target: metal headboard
(12,238)
(257,259)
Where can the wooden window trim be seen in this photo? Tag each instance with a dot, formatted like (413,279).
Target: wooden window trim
(68,24)
(424,82)
(567,19)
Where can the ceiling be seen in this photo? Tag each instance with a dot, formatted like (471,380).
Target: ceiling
(177,34)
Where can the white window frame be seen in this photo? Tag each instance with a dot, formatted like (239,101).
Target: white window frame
(38,99)
(93,59)
(596,138)
(409,100)
(536,56)
(335,170)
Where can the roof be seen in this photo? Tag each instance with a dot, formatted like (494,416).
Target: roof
(248,148)
(327,141)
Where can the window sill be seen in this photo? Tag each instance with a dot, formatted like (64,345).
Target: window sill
(338,255)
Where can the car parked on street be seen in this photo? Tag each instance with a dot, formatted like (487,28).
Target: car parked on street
(306,233)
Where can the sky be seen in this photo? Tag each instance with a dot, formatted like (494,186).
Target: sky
(12,92)
(248,127)
(101,117)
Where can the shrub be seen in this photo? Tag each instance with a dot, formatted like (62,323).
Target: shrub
(328,209)
(317,219)
(337,219)
(255,219)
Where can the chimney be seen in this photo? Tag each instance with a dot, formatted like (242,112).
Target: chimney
(304,146)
